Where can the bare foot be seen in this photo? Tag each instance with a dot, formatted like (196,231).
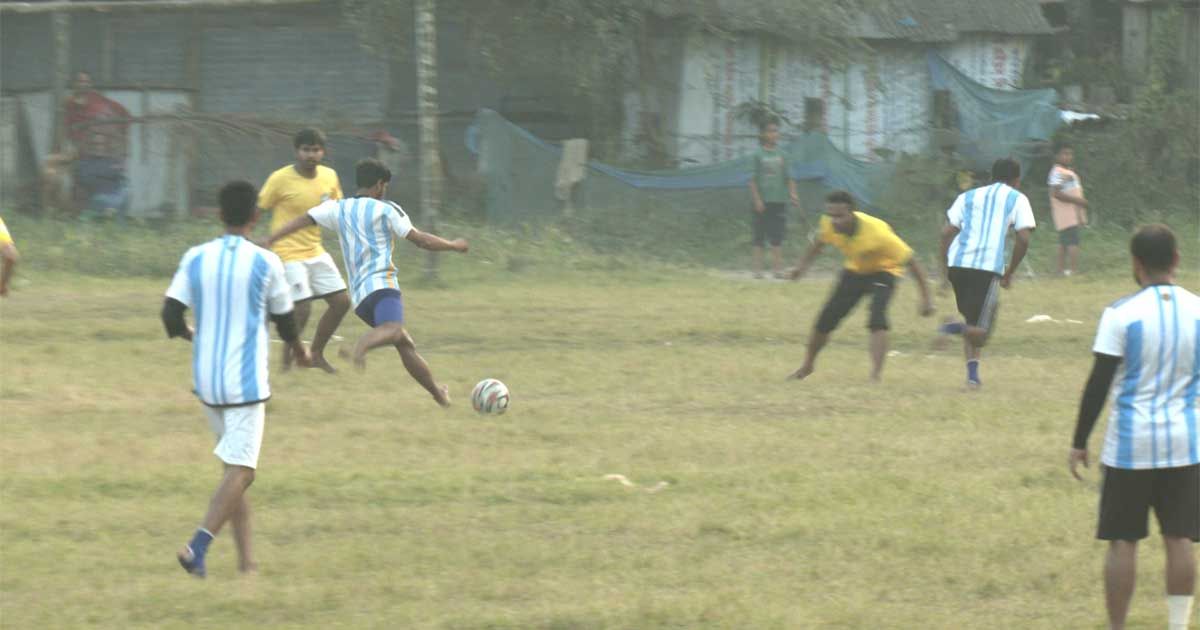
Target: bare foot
(250,568)
(320,362)
(802,373)
(443,396)
(360,361)
(287,358)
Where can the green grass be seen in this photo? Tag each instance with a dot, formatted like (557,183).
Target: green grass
(824,504)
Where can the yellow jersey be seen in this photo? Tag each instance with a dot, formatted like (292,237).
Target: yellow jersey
(5,237)
(288,194)
(873,247)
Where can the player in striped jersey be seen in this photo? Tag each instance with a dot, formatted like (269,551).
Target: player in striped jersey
(1147,351)
(232,285)
(973,247)
(365,225)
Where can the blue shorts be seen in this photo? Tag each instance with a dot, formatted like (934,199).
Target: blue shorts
(381,307)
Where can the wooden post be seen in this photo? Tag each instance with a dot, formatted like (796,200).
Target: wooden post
(60,37)
(427,115)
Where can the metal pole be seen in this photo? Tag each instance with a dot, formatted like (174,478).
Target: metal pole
(427,116)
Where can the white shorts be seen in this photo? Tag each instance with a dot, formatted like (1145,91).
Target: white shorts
(239,432)
(313,278)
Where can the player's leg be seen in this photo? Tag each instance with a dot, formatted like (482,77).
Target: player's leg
(419,370)
(337,304)
(297,278)
(882,287)
(776,231)
(846,293)
(326,282)
(240,430)
(1125,497)
(239,521)
(1120,573)
(1062,259)
(1177,506)
(758,227)
(977,296)
(1070,248)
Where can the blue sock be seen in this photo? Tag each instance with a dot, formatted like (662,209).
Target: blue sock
(200,542)
(973,370)
(952,328)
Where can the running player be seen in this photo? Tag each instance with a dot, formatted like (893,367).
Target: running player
(365,225)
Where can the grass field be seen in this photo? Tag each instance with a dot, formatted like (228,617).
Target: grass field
(830,503)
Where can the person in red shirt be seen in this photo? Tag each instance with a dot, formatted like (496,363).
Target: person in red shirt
(98,128)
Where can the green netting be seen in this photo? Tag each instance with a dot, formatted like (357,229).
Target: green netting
(519,169)
(996,123)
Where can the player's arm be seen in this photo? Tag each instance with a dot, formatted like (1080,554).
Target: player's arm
(1104,370)
(1062,195)
(435,243)
(8,263)
(1020,246)
(918,272)
(807,259)
(791,183)
(173,319)
(949,233)
(295,225)
(754,194)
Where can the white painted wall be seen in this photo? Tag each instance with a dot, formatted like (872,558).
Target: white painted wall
(884,103)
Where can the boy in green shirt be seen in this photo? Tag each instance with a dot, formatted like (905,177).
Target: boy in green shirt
(771,187)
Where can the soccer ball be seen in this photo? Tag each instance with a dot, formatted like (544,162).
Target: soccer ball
(490,396)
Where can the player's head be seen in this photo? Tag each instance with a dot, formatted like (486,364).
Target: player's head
(839,207)
(1155,253)
(769,133)
(310,148)
(372,176)
(1007,170)
(1064,154)
(239,204)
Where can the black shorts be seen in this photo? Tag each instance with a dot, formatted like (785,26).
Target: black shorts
(1128,495)
(1069,236)
(849,290)
(770,225)
(977,294)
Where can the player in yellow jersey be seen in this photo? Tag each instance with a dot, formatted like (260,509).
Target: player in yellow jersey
(311,273)
(8,258)
(875,259)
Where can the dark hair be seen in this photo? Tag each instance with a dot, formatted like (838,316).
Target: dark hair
(1006,170)
(1154,246)
(840,196)
(767,123)
(309,136)
(1060,145)
(369,172)
(237,199)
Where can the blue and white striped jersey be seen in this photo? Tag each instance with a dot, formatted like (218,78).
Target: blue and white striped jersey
(983,216)
(365,228)
(231,284)
(1152,424)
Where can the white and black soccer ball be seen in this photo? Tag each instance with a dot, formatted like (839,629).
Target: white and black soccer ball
(490,396)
